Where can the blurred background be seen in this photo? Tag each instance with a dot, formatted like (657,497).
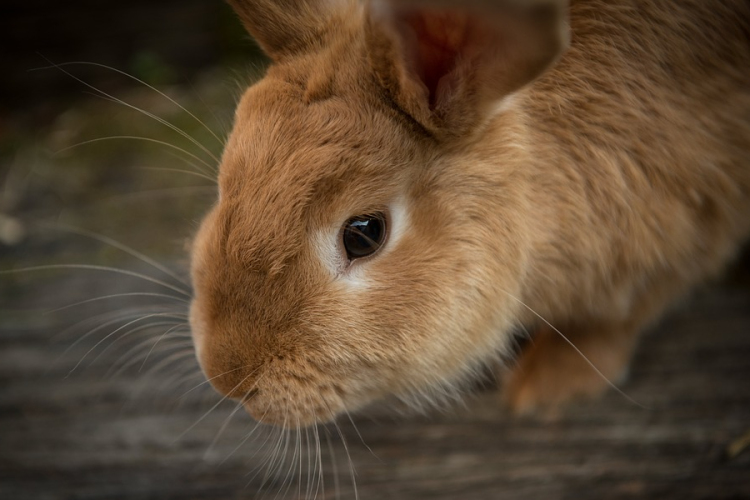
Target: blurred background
(194,51)
(112,118)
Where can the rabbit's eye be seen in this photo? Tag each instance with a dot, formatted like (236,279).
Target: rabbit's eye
(364,235)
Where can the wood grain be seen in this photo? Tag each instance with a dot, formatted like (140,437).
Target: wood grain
(91,436)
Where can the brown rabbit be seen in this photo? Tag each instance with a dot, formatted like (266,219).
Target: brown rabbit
(412,181)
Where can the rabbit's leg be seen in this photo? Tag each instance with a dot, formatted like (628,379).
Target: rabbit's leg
(551,372)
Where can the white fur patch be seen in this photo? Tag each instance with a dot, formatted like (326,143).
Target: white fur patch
(326,246)
(399,222)
(356,276)
(502,105)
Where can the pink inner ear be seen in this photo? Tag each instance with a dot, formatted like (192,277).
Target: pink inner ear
(441,39)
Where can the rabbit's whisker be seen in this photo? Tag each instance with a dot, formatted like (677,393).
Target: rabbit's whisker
(151,194)
(311,464)
(269,471)
(181,171)
(133,359)
(319,452)
(334,465)
(332,419)
(318,469)
(122,247)
(217,404)
(223,427)
(174,329)
(185,352)
(289,476)
(183,358)
(221,123)
(181,368)
(90,267)
(263,467)
(356,429)
(117,295)
(204,382)
(118,316)
(136,138)
(248,435)
(167,124)
(136,108)
(164,122)
(284,453)
(299,463)
(123,73)
(259,468)
(210,174)
(131,356)
(577,350)
(114,332)
(182,353)
(275,472)
(308,489)
(352,471)
(265,446)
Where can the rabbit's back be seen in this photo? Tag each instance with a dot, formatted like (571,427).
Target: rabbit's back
(644,127)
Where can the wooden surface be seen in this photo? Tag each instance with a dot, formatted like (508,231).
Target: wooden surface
(98,432)
(90,435)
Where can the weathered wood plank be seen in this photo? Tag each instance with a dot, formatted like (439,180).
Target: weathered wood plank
(89,436)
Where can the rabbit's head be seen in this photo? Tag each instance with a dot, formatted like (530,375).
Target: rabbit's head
(363,244)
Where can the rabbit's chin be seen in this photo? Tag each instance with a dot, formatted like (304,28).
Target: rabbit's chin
(294,408)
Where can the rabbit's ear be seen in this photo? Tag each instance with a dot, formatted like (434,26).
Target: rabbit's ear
(449,64)
(287,27)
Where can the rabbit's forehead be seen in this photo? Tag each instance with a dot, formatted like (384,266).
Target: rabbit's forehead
(283,147)
(275,126)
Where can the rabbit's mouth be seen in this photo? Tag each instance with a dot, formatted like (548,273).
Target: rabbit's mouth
(281,388)
(293,407)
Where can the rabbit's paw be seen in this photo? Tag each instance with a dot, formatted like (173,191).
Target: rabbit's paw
(550,372)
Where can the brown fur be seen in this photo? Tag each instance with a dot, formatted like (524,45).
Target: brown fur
(597,196)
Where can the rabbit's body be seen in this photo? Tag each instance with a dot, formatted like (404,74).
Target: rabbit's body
(589,198)
(640,139)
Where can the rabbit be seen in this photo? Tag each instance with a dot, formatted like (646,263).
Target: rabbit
(411,182)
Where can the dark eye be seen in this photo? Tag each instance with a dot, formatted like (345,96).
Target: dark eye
(363,235)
